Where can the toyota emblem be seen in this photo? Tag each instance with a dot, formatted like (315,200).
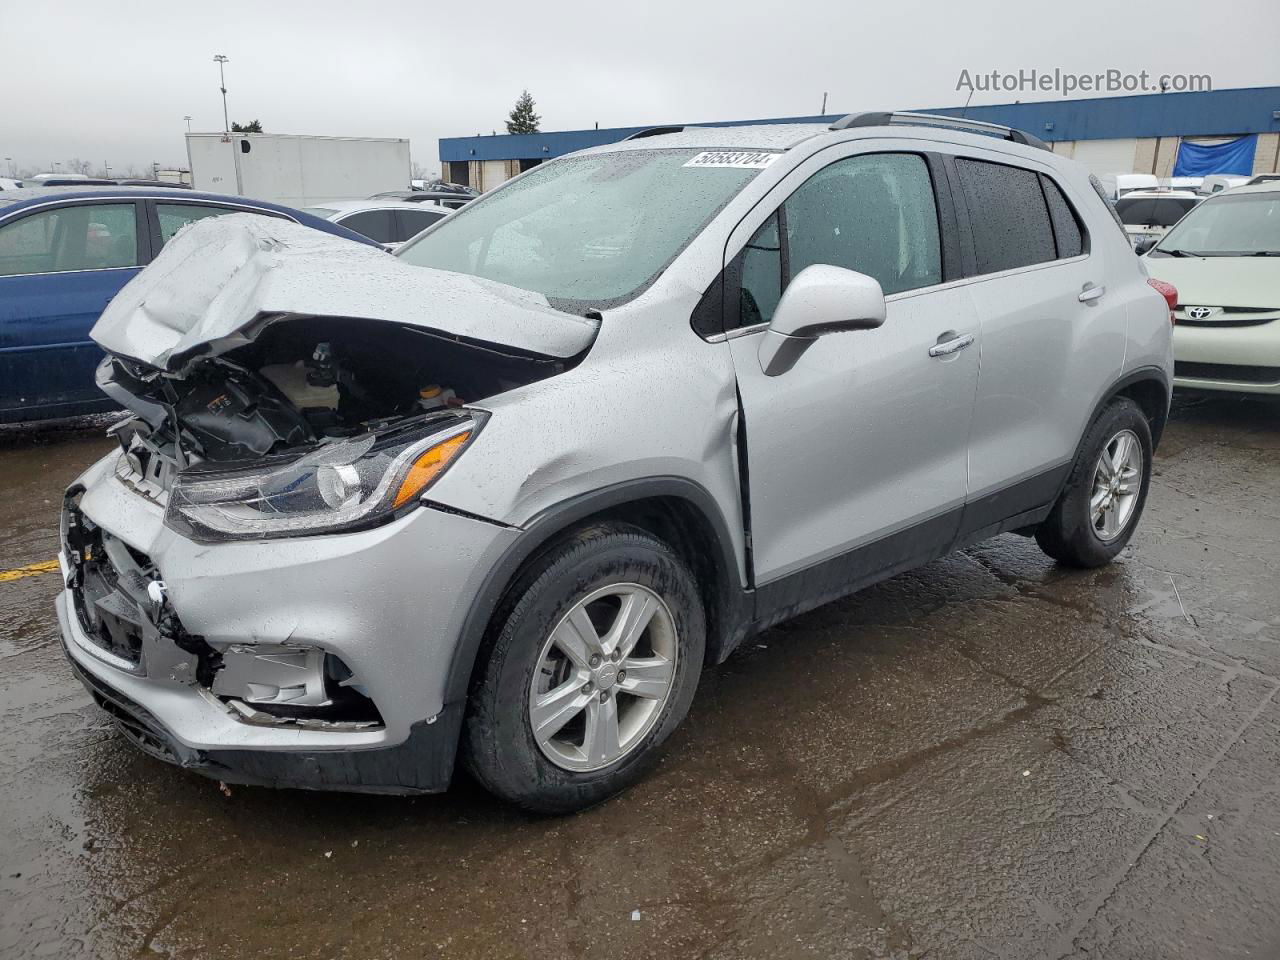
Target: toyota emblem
(1199,313)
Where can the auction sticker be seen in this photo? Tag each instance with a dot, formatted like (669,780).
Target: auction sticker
(741,160)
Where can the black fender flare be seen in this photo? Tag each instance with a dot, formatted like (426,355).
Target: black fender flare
(554,520)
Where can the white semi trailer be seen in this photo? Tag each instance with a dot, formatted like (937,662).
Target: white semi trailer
(298,171)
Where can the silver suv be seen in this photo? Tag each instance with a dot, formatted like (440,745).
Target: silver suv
(501,498)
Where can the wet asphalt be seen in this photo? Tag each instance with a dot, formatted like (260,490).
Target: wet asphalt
(988,757)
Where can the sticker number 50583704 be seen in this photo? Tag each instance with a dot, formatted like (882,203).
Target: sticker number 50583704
(743,160)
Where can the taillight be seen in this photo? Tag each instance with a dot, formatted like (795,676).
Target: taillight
(1169,292)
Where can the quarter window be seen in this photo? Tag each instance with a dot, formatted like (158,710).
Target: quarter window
(175,216)
(1008,215)
(88,236)
(1066,224)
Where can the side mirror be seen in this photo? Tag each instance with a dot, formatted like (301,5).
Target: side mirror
(820,299)
(1145,245)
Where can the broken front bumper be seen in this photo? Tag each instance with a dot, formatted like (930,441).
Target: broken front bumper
(174,665)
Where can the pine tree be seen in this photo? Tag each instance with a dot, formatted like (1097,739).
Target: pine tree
(522,118)
(253,126)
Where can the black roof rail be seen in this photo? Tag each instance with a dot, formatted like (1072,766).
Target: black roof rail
(652,132)
(884,118)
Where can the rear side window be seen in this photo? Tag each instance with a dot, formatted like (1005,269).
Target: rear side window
(1008,214)
(1066,223)
(378,225)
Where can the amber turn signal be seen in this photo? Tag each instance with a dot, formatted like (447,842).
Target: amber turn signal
(428,466)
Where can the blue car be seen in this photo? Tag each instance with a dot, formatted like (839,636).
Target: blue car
(64,252)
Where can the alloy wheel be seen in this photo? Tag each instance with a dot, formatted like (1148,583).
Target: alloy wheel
(603,677)
(1117,481)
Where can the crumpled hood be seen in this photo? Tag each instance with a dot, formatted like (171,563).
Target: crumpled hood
(220,275)
(1252,282)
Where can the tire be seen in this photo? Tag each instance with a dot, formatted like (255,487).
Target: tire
(529,675)
(1073,534)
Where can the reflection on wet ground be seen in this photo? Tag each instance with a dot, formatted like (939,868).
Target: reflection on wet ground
(990,756)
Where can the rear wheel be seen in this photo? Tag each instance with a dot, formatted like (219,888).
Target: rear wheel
(1098,511)
(592,662)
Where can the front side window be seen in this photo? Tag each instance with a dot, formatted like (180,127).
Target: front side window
(89,236)
(1239,224)
(588,231)
(873,213)
(1008,215)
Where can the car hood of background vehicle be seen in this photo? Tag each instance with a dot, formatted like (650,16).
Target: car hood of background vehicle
(1221,281)
(220,275)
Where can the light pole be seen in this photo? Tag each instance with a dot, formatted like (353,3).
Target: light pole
(12,168)
(188,119)
(220,60)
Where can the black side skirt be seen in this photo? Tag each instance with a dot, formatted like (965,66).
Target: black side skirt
(1022,504)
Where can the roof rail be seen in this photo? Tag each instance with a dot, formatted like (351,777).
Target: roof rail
(883,118)
(652,132)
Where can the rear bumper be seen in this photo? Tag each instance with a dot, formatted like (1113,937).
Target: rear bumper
(423,763)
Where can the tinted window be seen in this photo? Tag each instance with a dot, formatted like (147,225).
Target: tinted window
(1136,211)
(874,214)
(377,225)
(413,222)
(78,237)
(1009,218)
(759,267)
(1066,225)
(1170,210)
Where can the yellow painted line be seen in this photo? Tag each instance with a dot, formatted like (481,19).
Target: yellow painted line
(30,570)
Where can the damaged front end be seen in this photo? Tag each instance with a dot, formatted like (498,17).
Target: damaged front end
(257,417)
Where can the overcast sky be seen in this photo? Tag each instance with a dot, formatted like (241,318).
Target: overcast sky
(114,86)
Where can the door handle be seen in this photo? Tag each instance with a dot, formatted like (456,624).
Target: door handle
(1091,293)
(954,345)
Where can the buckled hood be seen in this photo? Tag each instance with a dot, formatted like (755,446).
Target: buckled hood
(220,279)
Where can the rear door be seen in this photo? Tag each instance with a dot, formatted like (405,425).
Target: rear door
(1052,333)
(167,217)
(59,266)
(855,456)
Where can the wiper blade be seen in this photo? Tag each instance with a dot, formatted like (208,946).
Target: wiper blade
(1265,253)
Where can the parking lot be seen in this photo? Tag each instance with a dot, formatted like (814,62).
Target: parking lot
(990,756)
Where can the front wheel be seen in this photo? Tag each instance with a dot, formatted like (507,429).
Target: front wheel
(1098,511)
(592,662)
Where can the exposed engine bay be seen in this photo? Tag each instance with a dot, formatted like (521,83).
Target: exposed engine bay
(307,380)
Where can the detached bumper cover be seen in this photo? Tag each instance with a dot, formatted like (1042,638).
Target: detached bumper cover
(423,763)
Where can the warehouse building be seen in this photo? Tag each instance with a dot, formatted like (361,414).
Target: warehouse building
(1131,134)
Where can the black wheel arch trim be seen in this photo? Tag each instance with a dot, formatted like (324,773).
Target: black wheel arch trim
(1138,375)
(732,618)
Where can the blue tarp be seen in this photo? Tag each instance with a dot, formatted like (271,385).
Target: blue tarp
(1198,160)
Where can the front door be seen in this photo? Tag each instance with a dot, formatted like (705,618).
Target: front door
(857,455)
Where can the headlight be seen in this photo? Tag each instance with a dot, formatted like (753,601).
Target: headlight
(344,485)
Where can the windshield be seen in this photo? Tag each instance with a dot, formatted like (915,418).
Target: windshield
(1228,225)
(589,231)
(1153,211)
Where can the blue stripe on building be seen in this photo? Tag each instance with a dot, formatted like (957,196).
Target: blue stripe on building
(1201,114)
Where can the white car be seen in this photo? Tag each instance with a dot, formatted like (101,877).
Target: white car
(1217,182)
(7,183)
(1116,185)
(388,223)
(1148,214)
(1224,258)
